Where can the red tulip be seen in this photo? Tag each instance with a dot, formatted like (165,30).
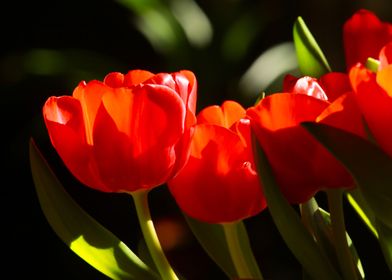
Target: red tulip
(219,183)
(126,133)
(364,34)
(385,56)
(302,166)
(373,93)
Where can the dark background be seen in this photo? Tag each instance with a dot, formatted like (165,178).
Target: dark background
(48,47)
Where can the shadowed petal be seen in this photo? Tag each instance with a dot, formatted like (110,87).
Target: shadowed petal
(301,165)
(344,113)
(335,84)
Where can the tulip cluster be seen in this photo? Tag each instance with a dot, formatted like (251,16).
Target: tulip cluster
(324,131)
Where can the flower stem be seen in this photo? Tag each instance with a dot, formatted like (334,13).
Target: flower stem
(143,213)
(236,253)
(343,254)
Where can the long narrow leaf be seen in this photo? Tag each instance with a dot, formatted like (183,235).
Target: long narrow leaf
(362,208)
(311,59)
(287,221)
(84,235)
(247,250)
(319,222)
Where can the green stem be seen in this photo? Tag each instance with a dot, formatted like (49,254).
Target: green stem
(143,213)
(335,205)
(237,255)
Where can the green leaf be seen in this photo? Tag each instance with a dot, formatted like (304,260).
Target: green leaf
(385,240)
(311,59)
(213,240)
(372,64)
(287,221)
(370,167)
(360,205)
(247,251)
(319,222)
(82,234)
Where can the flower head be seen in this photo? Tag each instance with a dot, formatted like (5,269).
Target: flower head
(126,133)
(219,183)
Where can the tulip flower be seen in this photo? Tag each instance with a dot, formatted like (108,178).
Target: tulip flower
(373,93)
(129,133)
(364,34)
(302,166)
(126,133)
(219,183)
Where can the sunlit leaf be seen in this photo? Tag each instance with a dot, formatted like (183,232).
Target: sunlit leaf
(84,235)
(287,221)
(247,251)
(311,59)
(360,205)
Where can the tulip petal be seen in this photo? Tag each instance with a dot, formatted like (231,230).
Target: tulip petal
(335,84)
(385,56)
(291,150)
(363,36)
(375,103)
(228,189)
(140,148)
(283,110)
(114,80)
(384,79)
(189,85)
(225,115)
(344,113)
(309,86)
(184,83)
(64,120)
(135,77)
(90,97)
